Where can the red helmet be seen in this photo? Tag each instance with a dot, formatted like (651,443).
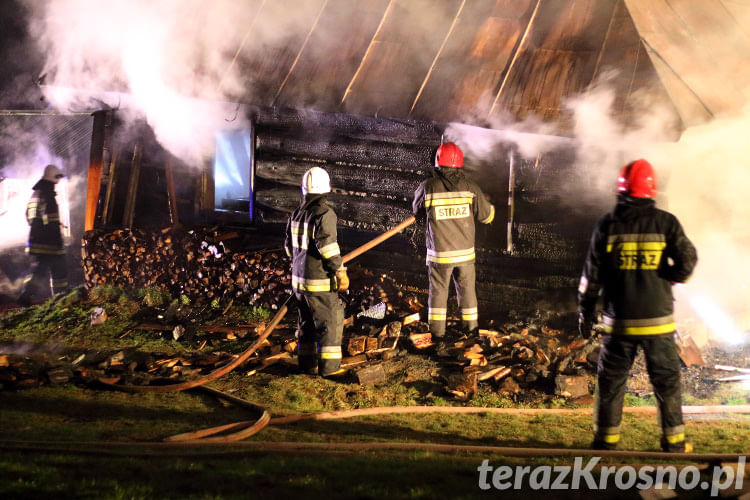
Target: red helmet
(637,179)
(449,155)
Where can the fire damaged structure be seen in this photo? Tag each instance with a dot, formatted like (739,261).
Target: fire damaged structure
(373,111)
(372,104)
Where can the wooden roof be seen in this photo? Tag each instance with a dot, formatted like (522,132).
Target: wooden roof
(476,60)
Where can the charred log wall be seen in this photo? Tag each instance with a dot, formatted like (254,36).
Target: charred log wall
(375,166)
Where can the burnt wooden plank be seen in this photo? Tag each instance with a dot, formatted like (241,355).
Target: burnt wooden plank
(333,53)
(400,56)
(680,48)
(406,157)
(559,58)
(322,124)
(474,59)
(373,181)
(267,58)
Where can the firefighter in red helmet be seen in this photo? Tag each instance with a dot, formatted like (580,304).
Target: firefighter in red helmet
(450,203)
(637,252)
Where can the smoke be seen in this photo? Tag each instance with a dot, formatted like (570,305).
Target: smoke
(702,177)
(708,191)
(169,57)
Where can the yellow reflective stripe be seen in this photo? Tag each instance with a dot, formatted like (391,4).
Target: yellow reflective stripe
(437,313)
(676,438)
(641,330)
(469,314)
(330,352)
(451,260)
(447,201)
(633,246)
(636,237)
(611,438)
(311,285)
(329,251)
(45,249)
(491,217)
(299,235)
(448,195)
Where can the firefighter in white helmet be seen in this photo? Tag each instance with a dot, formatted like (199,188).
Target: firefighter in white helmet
(451,203)
(317,275)
(45,240)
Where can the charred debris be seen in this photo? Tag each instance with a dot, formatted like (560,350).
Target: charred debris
(197,276)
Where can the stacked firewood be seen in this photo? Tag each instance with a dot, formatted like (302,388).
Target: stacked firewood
(194,264)
(514,358)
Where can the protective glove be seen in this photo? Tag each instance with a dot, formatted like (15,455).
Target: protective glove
(585,327)
(342,280)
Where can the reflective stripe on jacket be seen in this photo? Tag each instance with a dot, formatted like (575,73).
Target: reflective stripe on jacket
(451,203)
(312,245)
(636,252)
(42,214)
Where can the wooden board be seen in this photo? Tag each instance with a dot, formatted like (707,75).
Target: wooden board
(400,56)
(333,53)
(558,59)
(677,35)
(473,60)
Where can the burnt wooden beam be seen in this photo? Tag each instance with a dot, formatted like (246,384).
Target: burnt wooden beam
(95,169)
(135,172)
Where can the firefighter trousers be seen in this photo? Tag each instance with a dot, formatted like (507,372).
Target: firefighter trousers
(464,280)
(46,271)
(321,327)
(663,364)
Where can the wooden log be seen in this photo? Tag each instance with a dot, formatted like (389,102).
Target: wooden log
(371,374)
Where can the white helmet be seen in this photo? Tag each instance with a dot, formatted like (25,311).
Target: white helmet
(52,173)
(316,181)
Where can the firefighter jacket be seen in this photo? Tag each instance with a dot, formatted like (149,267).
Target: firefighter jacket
(636,252)
(311,244)
(451,203)
(42,214)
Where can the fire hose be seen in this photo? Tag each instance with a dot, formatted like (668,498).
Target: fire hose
(236,431)
(245,429)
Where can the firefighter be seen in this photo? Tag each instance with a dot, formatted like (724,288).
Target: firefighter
(317,275)
(636,253)
(450,203)
(45,240)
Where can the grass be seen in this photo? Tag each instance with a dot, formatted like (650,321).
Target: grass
(73,413)
(78,413)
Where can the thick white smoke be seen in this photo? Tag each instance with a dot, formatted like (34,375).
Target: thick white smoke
(708,191)
(167,56)
(703,181)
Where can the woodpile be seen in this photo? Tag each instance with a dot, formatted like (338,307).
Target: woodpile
(194,265)
(516,358)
